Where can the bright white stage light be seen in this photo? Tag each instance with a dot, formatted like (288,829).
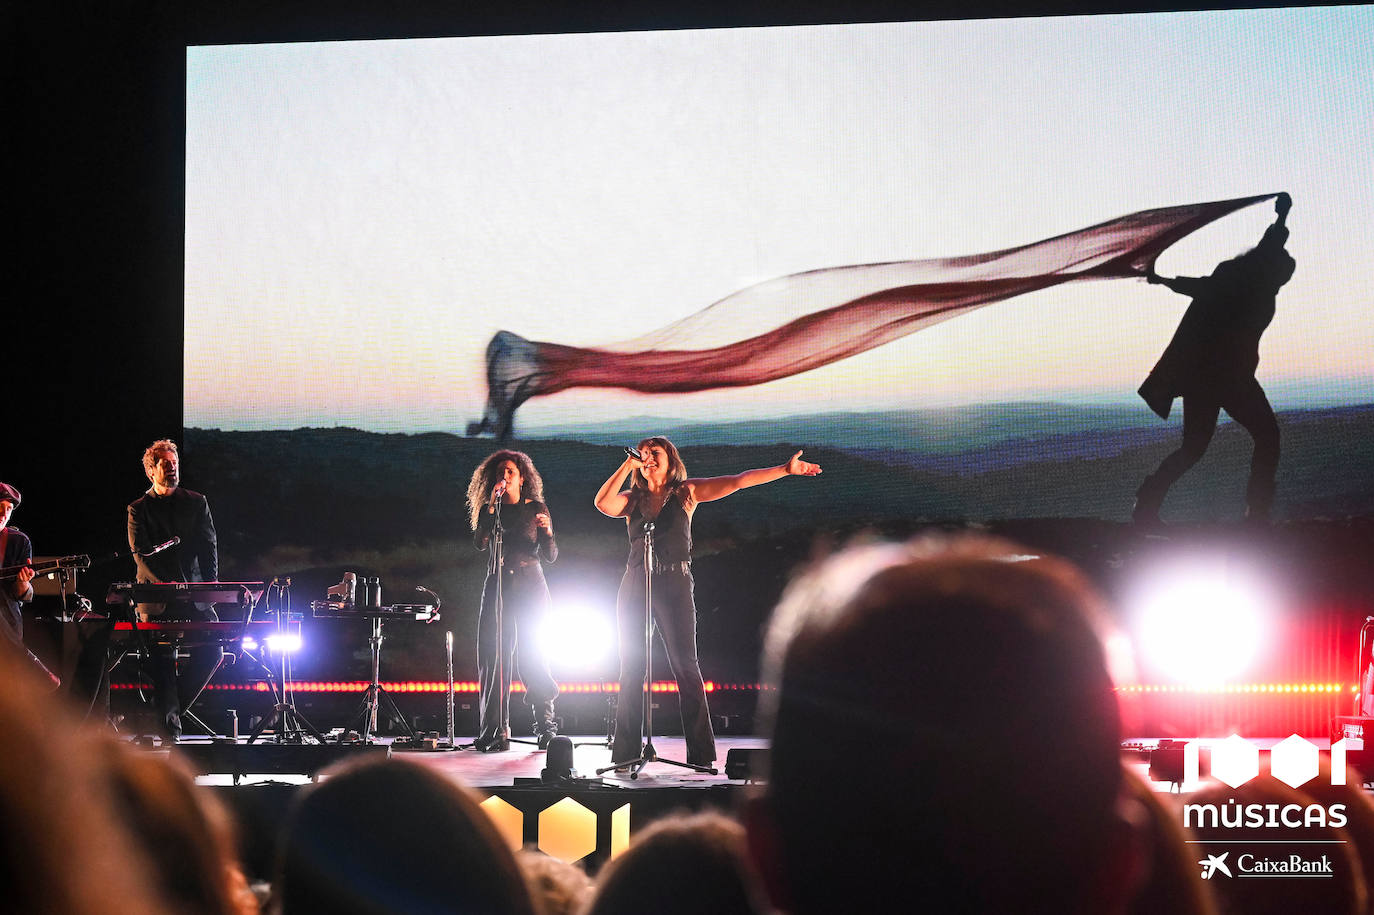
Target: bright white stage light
(1203,623)
(578,638)
(284,643)
(249,643)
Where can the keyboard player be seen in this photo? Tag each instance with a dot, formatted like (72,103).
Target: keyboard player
(169,512)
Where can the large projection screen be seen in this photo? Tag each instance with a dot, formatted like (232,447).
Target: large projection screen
(363,217)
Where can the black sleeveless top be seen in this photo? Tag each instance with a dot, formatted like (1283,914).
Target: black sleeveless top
(672,532)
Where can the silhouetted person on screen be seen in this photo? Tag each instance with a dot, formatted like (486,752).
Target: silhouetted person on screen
(1210,363)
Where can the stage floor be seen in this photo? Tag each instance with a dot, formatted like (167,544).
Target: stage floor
(588,819)
(521,764)
(488,770)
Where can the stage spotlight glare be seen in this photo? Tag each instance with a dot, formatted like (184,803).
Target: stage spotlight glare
(284,643)
(1203,625)
(249,643)
(577,638)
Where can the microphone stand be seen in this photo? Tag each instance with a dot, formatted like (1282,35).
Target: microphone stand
(294,727)
(649,754)
(496,567)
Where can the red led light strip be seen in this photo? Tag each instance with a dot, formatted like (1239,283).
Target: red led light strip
(670,686)
(440,686)
(1239,688)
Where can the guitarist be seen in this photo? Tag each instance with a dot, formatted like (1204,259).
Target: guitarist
(15,550)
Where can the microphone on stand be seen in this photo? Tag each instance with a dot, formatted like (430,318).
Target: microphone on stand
(498,491)
(424,590)
(435,616)
(161,546)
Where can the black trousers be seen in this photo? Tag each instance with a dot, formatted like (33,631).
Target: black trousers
(525,601)
(173,689)
(675,615)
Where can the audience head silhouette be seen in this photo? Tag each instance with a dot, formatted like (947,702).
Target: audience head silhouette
(679,866)
(945,733)
(393,836)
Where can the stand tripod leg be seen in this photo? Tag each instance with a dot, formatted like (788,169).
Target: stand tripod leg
(365,715)
(395,712)
(188,715)
(186,712)
(294,720)
(266,722)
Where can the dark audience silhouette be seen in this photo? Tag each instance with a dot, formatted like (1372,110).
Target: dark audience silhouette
(945,737)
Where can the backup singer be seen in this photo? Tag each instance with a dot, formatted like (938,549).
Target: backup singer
(660,492)
(510,479)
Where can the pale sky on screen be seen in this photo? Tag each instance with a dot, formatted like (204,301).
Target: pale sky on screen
(362,216)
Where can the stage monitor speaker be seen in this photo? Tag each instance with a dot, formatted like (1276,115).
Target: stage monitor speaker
(560,761)
(746,764)
(243,759)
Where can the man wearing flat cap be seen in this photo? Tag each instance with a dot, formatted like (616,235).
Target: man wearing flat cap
(15,555)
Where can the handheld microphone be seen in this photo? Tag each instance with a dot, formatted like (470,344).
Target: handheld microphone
(162,546)
(634,453)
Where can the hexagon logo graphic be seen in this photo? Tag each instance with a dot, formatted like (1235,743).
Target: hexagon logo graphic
(1294,761)
(509,821)
(567,831)
(1235,760)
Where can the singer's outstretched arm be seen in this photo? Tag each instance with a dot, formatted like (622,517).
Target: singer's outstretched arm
(710,489)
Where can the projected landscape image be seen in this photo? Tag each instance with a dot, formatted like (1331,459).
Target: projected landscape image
(912,209)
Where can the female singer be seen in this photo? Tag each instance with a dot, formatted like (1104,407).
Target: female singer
(507,488)
(660,492)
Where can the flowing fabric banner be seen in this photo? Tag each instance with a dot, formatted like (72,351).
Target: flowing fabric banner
(821,316)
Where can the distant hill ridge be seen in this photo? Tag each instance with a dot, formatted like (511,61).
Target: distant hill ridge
(942,430)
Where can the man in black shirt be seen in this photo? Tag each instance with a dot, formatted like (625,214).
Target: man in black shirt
(164,513)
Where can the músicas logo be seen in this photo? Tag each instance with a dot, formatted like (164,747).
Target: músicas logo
(1231,815)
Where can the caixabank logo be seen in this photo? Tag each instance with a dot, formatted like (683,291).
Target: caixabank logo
(1252,865)
(1253,833)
